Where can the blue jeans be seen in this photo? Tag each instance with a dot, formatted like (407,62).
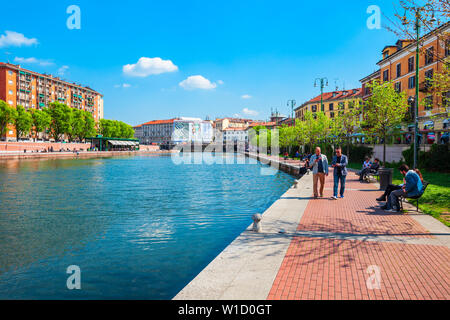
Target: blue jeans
(340,178)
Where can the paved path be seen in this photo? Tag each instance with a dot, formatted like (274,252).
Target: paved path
(340,244)
(327,249)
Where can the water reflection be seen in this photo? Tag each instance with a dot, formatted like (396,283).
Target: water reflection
(139,228)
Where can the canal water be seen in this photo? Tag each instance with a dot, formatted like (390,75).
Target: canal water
(137,227)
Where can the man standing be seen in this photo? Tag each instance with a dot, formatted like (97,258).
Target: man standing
(319,165)
(413,187)
(339,164)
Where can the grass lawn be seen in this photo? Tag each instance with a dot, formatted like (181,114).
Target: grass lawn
(436,200)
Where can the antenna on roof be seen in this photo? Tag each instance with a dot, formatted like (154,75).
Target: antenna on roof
(336,84)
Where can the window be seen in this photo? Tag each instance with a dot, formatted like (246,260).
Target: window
(10,102)
(351,104)
(331,114)
(399,70)
(10,72)
(411,64)
(429,103)
(447,48)
(314,108)
(428,78)
(322,108)
(386,75)
(412,82)
(331,107)
(10,92)
(341,105)
(10,82)
(429,55)
(398,86)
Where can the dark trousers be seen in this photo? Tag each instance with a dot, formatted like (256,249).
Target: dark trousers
(339,178)
(393,202)
(389,189)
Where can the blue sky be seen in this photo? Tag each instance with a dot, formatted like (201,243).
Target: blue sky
(269,50)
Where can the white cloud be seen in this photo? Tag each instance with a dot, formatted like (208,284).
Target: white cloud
(33,60)
(197,82)
(246,96)
(62,70)
(15,39)
(250,112)
(149,66)
(220,82)
(123,85)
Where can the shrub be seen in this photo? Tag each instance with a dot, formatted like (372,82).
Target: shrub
(437,159)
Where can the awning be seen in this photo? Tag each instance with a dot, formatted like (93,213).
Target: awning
(123,143)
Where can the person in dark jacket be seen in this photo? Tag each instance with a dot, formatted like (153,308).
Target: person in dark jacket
(339,164)
(372,169)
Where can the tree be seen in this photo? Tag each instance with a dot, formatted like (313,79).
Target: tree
(384,111)
(77,125)
(7,116)
(61,116)
(343,125)
(115,129)
(89,125)
(317,127)
(22,122)
(41,120)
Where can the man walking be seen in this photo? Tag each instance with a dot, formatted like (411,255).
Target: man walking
(319,166)
(339,164)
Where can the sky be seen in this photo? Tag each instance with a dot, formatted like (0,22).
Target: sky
(164,59)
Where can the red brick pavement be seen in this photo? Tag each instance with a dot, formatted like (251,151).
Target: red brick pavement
(357,213)
(332,269)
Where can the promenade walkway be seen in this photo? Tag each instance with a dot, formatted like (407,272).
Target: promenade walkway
(350,249)
(325,249)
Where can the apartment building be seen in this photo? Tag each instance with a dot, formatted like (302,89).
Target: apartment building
(398,64)
(33,90)
(333,103)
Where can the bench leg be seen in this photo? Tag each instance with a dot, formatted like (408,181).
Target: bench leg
(417,205)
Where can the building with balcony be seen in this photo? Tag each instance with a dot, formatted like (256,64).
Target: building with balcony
(334,102)
(398,64)
(34,90)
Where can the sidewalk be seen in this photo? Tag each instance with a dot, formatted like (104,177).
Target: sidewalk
(337,242)
(327,249)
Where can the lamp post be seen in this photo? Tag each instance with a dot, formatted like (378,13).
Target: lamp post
(417,11)
(323,83)
(292,104)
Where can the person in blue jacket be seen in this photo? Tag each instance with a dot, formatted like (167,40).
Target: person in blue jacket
(413,187)
(339,164)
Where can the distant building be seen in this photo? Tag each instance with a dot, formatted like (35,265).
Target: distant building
(235,135)
(34,90)
(221,124)
(175,131)
(334,102)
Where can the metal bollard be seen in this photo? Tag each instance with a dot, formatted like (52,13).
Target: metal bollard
(257,225)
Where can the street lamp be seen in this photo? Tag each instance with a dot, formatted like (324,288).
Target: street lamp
(291,103)
(323,83)
(417,11)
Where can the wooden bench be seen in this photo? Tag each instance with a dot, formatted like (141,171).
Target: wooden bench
(374,175)
(403,199)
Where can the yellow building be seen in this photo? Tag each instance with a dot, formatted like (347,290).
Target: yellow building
(333,103)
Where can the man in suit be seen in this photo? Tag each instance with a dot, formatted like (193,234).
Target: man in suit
(319,166)
(339,164)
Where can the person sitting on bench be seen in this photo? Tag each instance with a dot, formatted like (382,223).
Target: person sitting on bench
(370,170)
(393,187)
(413,187)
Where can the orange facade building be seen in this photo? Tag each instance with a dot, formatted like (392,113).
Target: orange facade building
(33,90)
(398,64)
